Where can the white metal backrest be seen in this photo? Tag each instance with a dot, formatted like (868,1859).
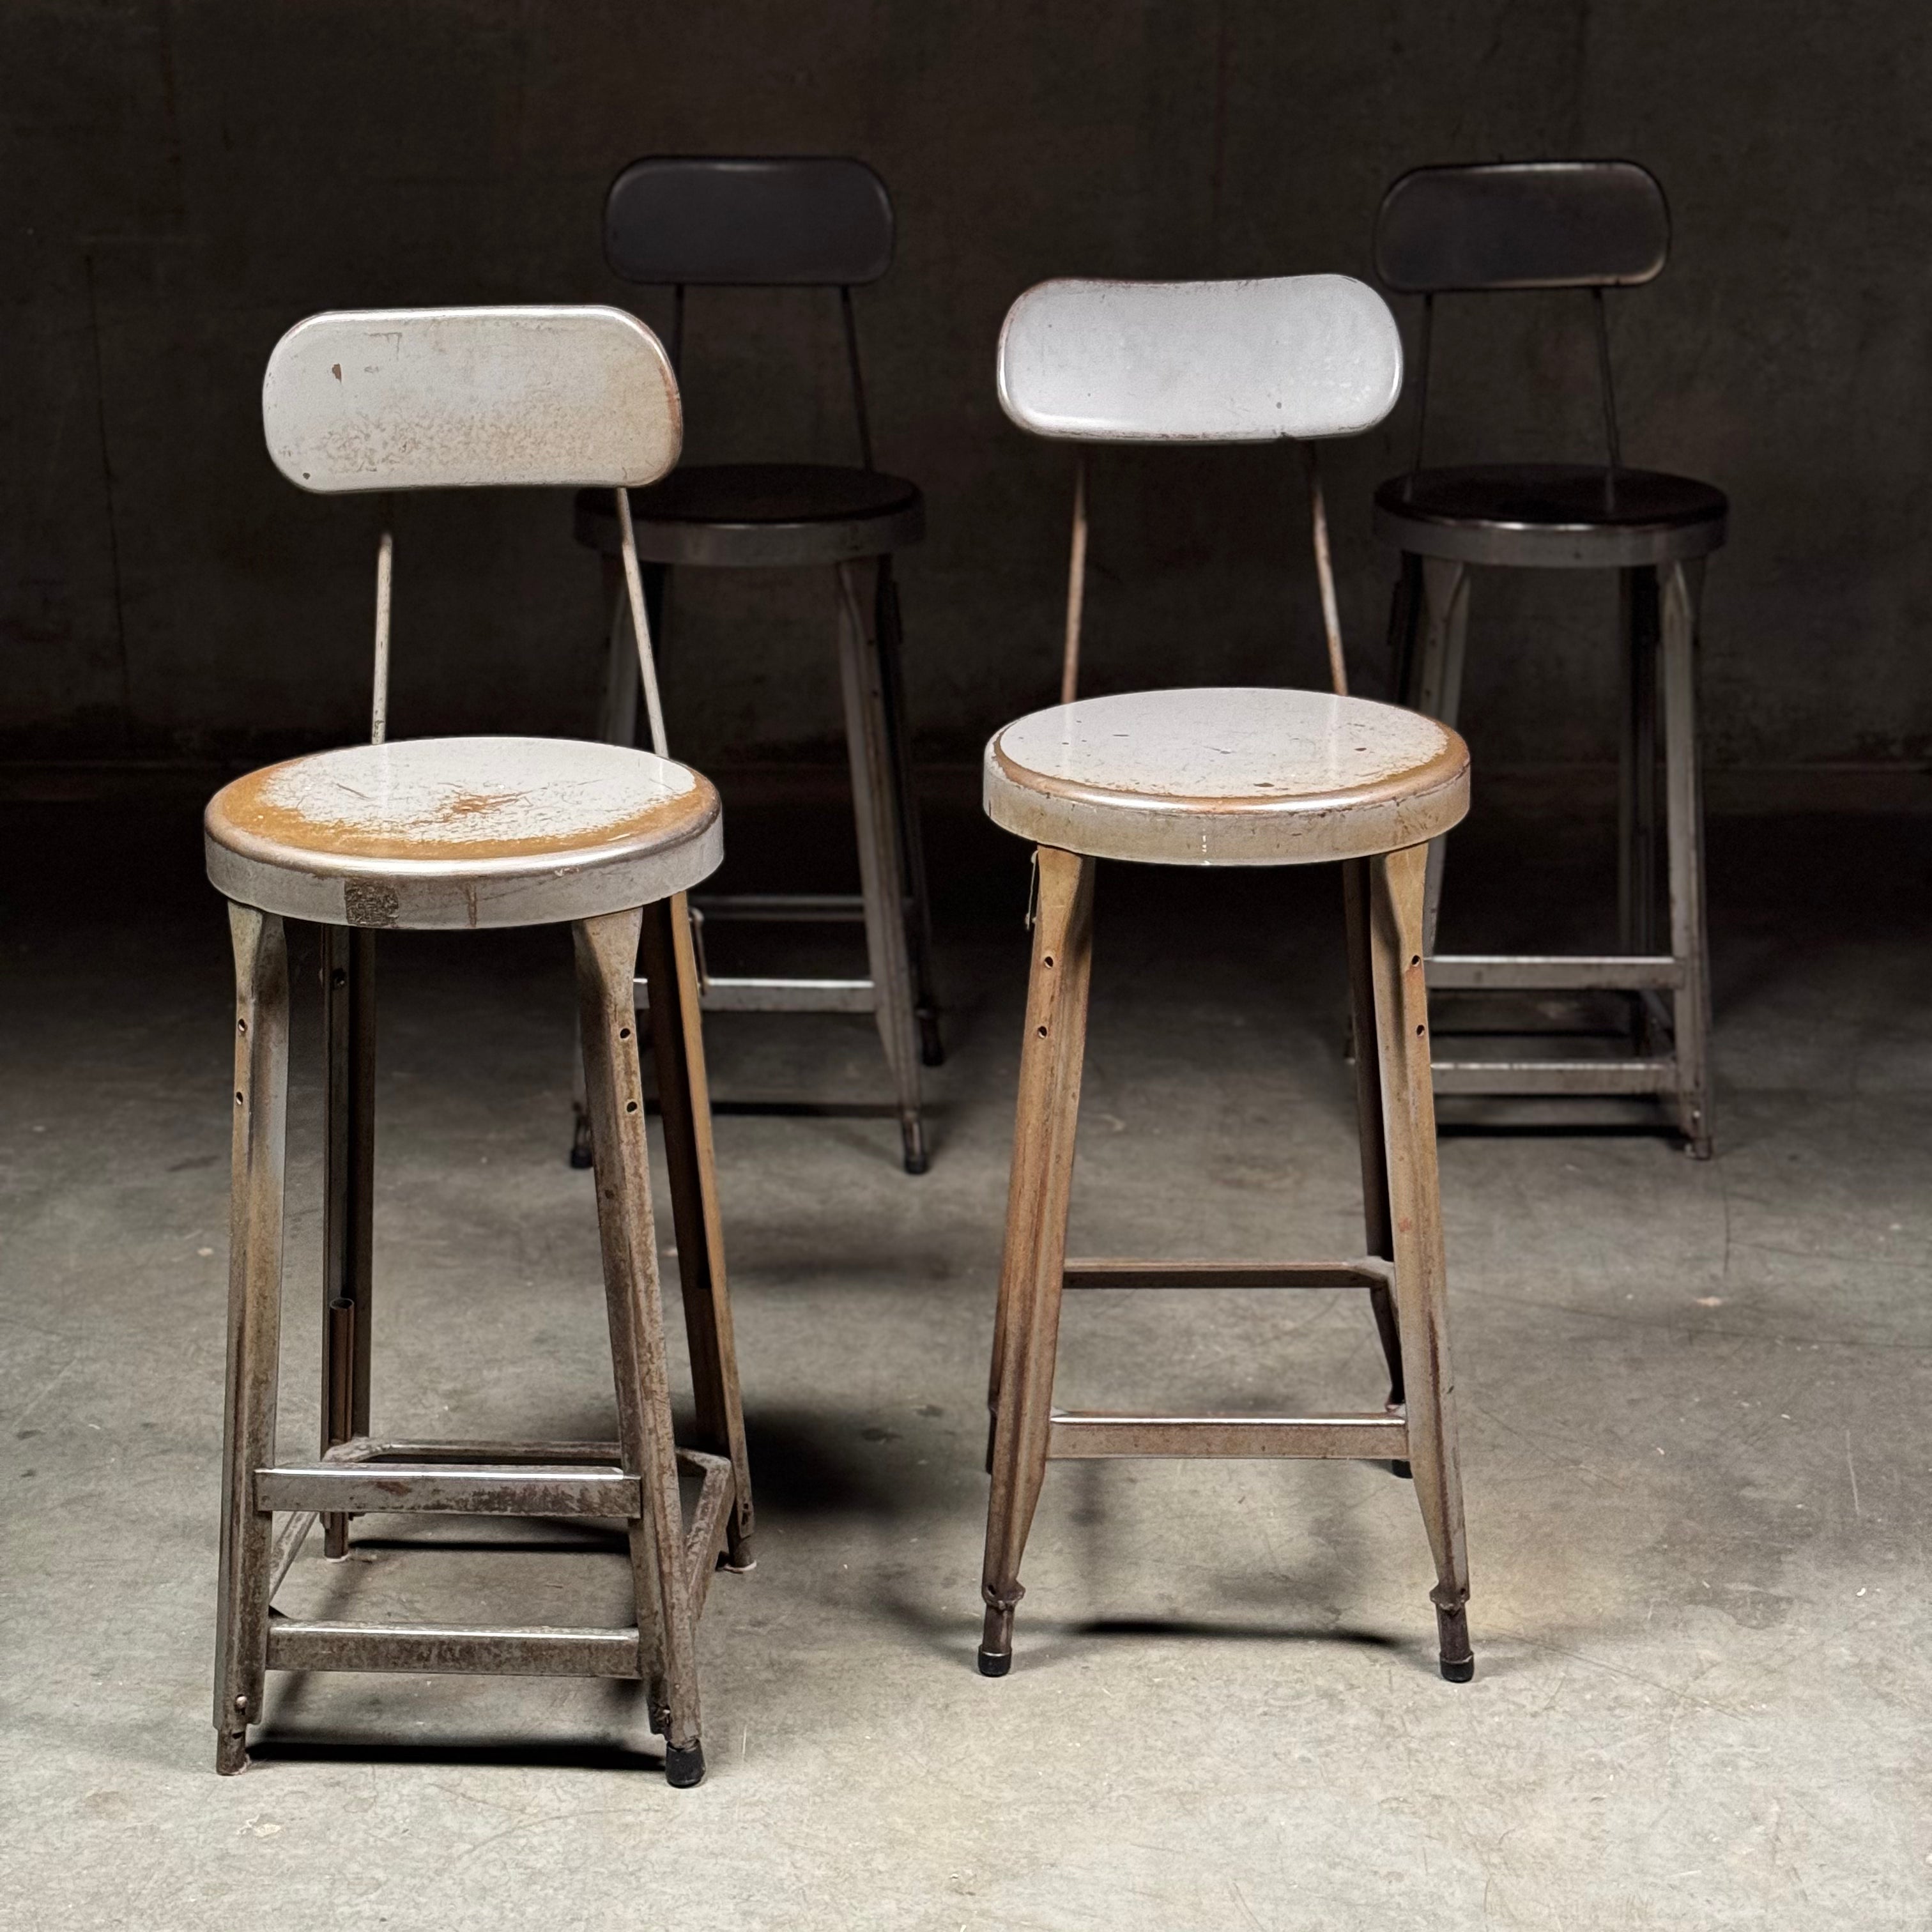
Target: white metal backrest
(446,398)
(1301,356)
(456,398)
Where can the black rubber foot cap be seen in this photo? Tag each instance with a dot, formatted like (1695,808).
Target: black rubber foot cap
(931,1048)
(995,1663)
(684,1766)
(1459,1670)
(1403,1470)
(582,1157)
(915,1163)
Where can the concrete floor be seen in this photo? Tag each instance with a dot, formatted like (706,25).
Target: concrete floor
(1692,1403)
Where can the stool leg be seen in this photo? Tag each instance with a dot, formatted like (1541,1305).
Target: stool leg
(1680,587)
(905,797)
(349,1015)
(606,953)
(1636,880)
(617,724)
(1398,883)
(1636,792)
(684,1102)
(881,866)
(1438,685)
(1377,1234)
(254,1323)
(1027,1330)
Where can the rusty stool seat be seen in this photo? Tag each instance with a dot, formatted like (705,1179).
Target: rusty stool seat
(463,832)
(468,833)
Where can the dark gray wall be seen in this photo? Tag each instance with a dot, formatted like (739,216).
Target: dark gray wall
(182,182)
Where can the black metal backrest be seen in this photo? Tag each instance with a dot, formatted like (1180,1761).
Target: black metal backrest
(753,222)
(1491,227)
(1522,225)
(812,220)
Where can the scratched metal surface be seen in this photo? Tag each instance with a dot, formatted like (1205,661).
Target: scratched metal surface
(432,832)
(1208,777)
(444,398)
(1227,362)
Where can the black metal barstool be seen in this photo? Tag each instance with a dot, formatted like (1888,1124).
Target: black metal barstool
(1587,225)
(820,222)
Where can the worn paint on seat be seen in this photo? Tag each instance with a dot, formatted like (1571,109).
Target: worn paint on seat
(1227,777)
(463,831)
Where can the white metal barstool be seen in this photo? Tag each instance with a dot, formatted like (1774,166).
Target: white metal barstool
(1217,777)
(445,833)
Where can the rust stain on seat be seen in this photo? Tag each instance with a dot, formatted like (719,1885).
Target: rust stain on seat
(433,800)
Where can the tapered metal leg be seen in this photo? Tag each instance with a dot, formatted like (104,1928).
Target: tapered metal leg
(1637,895)
(881,865)
(905,797)
(684,1101)
(1397,884)
(606,953)
(617,724)
(1438,684)
(260,1108)
(349,1013)
(1378,1235)
(1636,874)
(1680,585)
(1026,1328)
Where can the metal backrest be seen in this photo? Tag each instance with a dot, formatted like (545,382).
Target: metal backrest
(1301,356)
(812,220)
(465,398)
(439,398)
(1522,225)
(1305,356)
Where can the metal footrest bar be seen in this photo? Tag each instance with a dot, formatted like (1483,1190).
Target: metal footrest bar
(710,1522)
(1367,1273)
(369,1488)
(1073,1436)
(814,908)
(740,995)
(1483,972)
(364,1477)
(1527,1077)
(431,1649)
(368,1448)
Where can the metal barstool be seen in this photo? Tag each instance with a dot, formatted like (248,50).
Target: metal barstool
(457,833)
(1222,778)
(1591,225)
(820,222)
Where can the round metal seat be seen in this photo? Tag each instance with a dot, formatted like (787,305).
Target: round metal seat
(1551,515)
(736,515)
(1227,777)
(463,832)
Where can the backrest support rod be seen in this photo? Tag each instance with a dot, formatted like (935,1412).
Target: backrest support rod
(640,624)
(386,555)
(858,376)
(1076,585)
